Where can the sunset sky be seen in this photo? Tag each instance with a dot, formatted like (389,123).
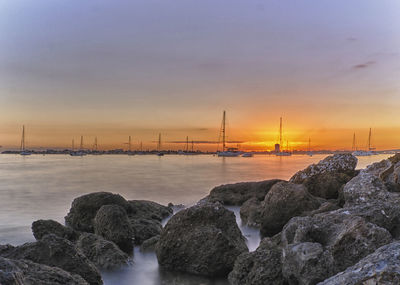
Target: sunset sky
(117,68)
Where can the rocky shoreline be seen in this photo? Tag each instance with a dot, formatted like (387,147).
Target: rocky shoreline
(329,224)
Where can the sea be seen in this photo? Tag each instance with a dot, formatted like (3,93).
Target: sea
(43,187)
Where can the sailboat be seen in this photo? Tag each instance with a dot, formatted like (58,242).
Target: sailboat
(309,152)
(130,146)
(282,152)
(226,152)
(159,146)
(80,151)
(367,152)
(23,150)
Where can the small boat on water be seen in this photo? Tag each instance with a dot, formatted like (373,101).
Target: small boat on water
(77,153)
(226,152)
(370,151)
(24,152)
(160,154)
(247,154)
(278,147)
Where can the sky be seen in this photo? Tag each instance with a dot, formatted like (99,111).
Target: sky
(117,68)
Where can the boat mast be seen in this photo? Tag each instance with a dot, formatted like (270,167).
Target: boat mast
(280,132)
(129,143)
(192,145)
(141,146)
(23,139)
(223,130)
(81,146)
(353,147)
(187,143)
(369,140)
(309,144)
(159,142)
(95,143)
(73,144)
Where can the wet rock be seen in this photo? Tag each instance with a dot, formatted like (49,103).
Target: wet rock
(260,267)
(203,239)
(363,189)
(325,178)
(284,201)
(84,209)
(54,251)
(149,210)
(250,212)
(40,228)
(112,223)
(21,272)
(103,253)
(314,248)
(150,244)
(144,229)
(379,268)
(238,193)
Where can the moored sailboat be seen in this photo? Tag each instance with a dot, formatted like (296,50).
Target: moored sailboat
(23,150)
(226,152)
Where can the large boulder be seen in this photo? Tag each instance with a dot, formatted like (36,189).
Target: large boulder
(84,209)
(103,253)
(325,178)
(260,267)
(149,210)
(19,272)
(284,201)
(150,244)
(379,268)
(40,228)
(315,248)
(54,251)
(144,229)
(203,239)
(112,223)
(238,193)
(250,212)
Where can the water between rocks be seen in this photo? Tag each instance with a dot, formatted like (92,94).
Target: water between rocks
(43,187)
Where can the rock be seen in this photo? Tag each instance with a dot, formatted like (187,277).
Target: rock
(112,223)
(21,272)
(144,229)
(103,253)
(203,239)
(363,189)
(314,248)
(325,178)
(54,251)
(149,210)
(260,267)
(325,207)
(284,201)
(150,244)
(379,268)
(238,193)
(84,209)
(250,212)
(40,228)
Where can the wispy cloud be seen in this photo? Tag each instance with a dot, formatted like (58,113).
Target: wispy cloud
(364,65)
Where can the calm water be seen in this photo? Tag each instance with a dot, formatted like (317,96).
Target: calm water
(43,187)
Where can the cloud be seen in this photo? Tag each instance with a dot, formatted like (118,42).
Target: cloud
(351,39)
(364,65)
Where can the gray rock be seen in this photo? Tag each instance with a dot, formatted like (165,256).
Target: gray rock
(112,223)
(317,247)
(284,201)
(103,253)
(250,212)
(238,193)
(84,209)
(144,229)
(379,268)
(325,178)
(54,251)
(40,228)
(19,272)
(203,239)
(150,244)
(260,267)
(149,210)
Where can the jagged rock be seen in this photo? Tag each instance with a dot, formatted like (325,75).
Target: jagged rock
(284,201)
(325,178)
(238,193)
(388,171)
(112,223)
(203,239)
(19,272)
(103,253)
(250,212)
(260,267)
(40,228)
(149,210)
(325,207)
(54,251)
(317,247)
(379,268)
(84,209)
(150,244)
(144,229)
(363,189)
